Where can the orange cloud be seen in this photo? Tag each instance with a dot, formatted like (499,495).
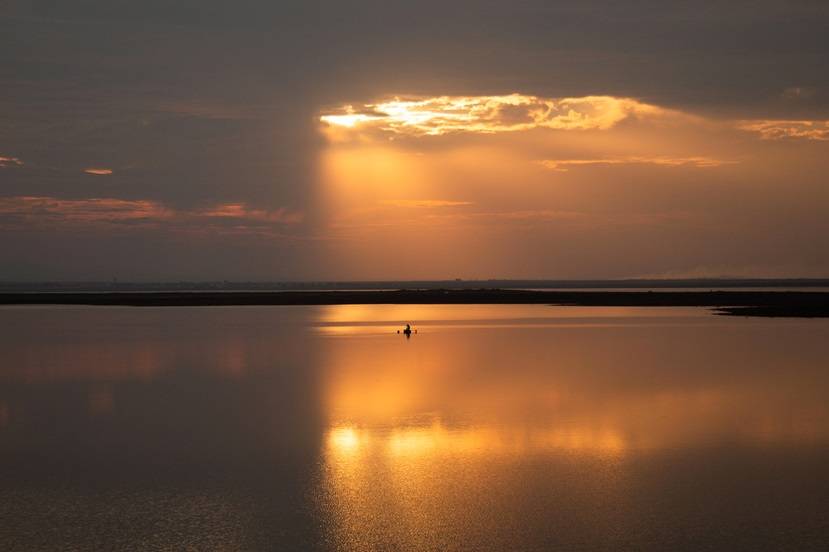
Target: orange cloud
(81,210)
(98,171)
(31,211)
(553,215)
(423,203)
(699,162)
(488,114)
(241,211)
(771,129)
(6,162)
(443,115)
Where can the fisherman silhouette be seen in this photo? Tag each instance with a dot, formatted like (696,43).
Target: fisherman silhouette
(408,331)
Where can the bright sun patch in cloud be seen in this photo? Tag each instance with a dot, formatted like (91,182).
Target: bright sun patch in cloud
(699,162)
(488,114)
(784,129)
(489,181)
(98,171)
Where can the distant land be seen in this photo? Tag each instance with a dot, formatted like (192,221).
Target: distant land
(735,302)
(456,284)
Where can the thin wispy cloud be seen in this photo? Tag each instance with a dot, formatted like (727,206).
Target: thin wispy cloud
(50,209)
(553,215)
(564,165)
(425,203)
(10,162)
(33,211)
(242,211)
(98,171)
(782,129)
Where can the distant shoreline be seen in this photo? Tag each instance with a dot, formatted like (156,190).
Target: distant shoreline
(733,303)
(633,284)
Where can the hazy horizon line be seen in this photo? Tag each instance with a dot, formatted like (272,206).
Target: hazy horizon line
(455,283)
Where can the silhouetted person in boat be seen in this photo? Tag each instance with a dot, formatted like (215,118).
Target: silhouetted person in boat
(408,331)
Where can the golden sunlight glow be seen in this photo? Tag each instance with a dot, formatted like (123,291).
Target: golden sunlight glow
(485,182)
(98,171)
(489,114)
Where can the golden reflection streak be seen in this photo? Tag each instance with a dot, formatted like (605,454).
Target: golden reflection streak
(418,430)
(438,439)
(381,381)
(344,440)
(419,479)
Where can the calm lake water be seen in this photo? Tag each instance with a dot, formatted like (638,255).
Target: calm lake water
(493,428)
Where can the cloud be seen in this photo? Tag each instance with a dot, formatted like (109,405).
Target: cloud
(559,215)
(98,171)
(564,165)
(31,211)
(49,209)
(243,212)
(488,114)
(10,162)
(424,203)
(771,129)
(794,93)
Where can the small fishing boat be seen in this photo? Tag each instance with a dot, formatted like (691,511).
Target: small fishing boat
(408,331)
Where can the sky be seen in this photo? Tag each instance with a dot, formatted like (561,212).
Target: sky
(317,140)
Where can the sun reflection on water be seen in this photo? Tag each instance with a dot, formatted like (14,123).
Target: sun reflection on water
(455,429)
(412,442)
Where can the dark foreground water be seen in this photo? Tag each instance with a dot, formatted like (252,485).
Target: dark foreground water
(494,428)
